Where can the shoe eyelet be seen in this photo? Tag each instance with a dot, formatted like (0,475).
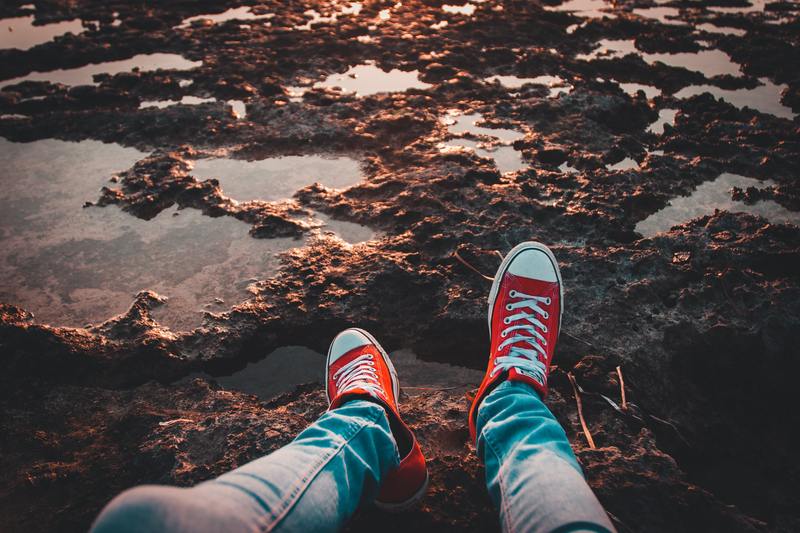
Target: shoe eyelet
(506,320)
(548,301)
(544,329)
(544,343)
(503,333)
(508,307)
(512,294)
(546,314)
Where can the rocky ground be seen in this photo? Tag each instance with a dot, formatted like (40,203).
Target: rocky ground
(704,321)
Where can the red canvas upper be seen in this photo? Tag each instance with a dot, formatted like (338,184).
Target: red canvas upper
(374,382)
(502,319)
(385,392)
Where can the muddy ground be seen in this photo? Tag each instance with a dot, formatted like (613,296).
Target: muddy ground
(704,320)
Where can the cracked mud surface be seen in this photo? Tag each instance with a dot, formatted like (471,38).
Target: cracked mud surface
(704,320)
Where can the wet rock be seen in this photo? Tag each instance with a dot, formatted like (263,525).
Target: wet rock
(703,320)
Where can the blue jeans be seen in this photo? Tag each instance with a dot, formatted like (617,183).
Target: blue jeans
(318,481)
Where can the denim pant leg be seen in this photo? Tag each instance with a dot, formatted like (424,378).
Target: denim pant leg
(532,474)
(315,483)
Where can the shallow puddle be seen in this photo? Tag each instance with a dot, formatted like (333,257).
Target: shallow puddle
(765,98)
(585,8)
(466,9)
(665,116)
(22,34)
(708,62)
(556,84)
(71,265)
(566,168)
(458,124)
(186,100)
(497,148)
(633,88)
(279,178)
(367,79)
(713,195)
(710,27)
(289,366)
(663,14)
(84,75)
(754,7)
(315,17)
(626,164)
(238,107)
(242,13)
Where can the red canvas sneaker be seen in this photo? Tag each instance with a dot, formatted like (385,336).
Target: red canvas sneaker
(525,308)
(359,368)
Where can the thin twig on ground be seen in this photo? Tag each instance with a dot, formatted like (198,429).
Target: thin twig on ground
(586,431)
(466,264)
(624,405)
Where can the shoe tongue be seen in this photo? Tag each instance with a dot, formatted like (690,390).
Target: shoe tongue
(517,374)
(354,394)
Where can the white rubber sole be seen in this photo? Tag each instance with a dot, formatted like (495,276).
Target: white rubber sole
(392,371)
(409,503)
(501,271)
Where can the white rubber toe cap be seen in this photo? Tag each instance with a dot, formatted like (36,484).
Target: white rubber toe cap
(345,341)
(533,264)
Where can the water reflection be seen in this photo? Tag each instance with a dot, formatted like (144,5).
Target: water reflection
(287,367)
(556,84)
(315,17)
(235,13)
(85,75)
(466,9)
(496,147)
(186,100)
(765,98)
(71,265)
(633,88)
(665,116)
(710,27)
(708,62)
(367,79)
(20,32)
(626,164)
(278,178)
(663,14)
(584,8)
(713,195)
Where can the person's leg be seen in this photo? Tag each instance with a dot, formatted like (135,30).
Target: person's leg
(360,450)
(532,474)
(313,484)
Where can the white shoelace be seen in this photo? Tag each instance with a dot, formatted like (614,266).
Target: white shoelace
(525,360)
(358,373)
